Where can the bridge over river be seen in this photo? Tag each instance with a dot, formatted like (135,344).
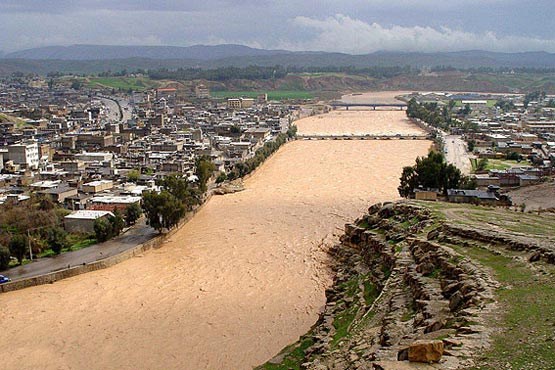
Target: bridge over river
(384,106)
(363,137)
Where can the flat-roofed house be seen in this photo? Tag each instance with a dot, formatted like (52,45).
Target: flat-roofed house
(83,221)
(97,186)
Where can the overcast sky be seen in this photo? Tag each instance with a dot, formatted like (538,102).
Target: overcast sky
(352,26)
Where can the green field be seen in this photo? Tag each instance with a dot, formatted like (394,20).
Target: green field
(498,164)
(123,83)
(272,95)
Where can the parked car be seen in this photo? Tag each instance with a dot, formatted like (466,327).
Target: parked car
(4,279)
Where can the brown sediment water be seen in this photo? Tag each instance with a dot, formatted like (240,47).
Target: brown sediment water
(358,122)
(243,279)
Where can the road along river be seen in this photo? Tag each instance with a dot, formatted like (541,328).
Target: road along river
(244,278)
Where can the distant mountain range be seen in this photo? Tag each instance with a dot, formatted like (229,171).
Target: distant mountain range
(107,52)
(99,58)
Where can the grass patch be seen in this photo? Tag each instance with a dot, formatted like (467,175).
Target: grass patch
(518,222)
(82,244)
(527,341)
(363,223)
(123,83)
(294,358)
(77,242)
(370,292)
(435,274)
(342,323)
(272,95)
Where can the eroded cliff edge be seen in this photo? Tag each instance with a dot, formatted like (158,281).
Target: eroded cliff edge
(423,285)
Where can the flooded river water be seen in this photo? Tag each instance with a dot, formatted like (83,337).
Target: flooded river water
(244,278)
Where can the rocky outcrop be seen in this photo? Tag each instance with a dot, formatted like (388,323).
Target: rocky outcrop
(229,187)
(463,234)
(399,297)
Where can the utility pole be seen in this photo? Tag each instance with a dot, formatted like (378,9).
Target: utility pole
(29,244)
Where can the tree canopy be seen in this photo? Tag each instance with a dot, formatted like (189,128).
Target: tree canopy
(164,210)
(431,172)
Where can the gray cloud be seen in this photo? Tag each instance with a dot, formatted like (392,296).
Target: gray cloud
(356,26)
(345,34)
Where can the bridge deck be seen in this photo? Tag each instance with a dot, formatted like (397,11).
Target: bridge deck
(362,137)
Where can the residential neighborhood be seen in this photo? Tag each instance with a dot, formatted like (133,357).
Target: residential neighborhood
(70,145)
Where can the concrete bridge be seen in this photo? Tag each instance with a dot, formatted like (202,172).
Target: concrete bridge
(391,106)
(363,137)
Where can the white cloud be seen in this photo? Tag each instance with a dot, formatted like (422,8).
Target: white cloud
(345,34)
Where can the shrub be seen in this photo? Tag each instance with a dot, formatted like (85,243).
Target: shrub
(4,258)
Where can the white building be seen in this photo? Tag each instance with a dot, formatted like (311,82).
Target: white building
(83,221)
(25,154)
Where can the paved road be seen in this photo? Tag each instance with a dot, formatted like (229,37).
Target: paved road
(136,235)
(456,153)
(113,113)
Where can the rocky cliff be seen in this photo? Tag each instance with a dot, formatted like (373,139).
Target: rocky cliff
(405,297)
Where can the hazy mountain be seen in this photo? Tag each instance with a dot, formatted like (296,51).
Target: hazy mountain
(106,52)
(87,59)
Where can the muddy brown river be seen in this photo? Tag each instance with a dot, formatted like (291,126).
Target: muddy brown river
(243,279)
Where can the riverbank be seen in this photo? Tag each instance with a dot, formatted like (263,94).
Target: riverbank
(410,275)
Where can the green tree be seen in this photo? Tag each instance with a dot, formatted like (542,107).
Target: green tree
(118,223)
(46,204)
(471,145)
(221,178)
(482,164)
(76,85)
(18,247)
(204,170)
(4,258)
(177,186)
(163,211)
(431,172)
(466,110)
(292,131)
(103,229)
(132,213)
(133,176)
(56,238)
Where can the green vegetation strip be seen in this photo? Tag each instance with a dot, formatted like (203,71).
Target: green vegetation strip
(527,339)
(123,83)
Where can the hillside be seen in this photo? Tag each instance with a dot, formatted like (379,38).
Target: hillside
(108,52)
(89,59)
(476,282)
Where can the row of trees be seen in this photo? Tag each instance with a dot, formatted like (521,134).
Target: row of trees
(278,71)
(436,116)
(432,172)
(107,228)
(244,168)
(219,74)
(164,210)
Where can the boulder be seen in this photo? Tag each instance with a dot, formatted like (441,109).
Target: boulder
(456,301)
(425,351)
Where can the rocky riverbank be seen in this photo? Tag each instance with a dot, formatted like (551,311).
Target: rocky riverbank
(399,299)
